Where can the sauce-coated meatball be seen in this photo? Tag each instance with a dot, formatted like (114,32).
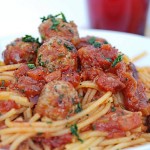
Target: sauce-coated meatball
(90,40)
(20,52)
(54,26)
(57,53)
(57,100)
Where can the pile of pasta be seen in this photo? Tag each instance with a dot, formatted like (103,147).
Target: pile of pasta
(22,124)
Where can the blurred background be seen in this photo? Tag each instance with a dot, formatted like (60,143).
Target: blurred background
(23,16)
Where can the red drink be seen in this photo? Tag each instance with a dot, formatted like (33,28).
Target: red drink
(119,15)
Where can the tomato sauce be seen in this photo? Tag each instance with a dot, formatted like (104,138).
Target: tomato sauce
(55,142)
(117,122)
(6,106)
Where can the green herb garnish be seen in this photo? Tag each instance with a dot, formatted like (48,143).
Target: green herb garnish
(55,23)
(97,45)
(54,20)
(94,43)
(29,38)
(74,131)
(2,84)
(63,17)
(49,122)
(40,62)
(91,40)
(51,16)
(113,109)
(105,42)
(79,108)
(31,66)
(117,60)
(69,47)
(109,59)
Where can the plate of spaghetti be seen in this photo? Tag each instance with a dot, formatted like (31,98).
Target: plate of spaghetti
(63,91)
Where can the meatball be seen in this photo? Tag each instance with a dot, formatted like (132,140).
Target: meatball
(90,40)
(53,26)
(57,100)
(56,54)
(20,51)
(102,57)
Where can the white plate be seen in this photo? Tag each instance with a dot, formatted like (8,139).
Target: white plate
(130,44)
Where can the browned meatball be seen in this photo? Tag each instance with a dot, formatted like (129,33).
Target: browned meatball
(53,26)
(22,50)
(90,40)
(56,54)
(57,100)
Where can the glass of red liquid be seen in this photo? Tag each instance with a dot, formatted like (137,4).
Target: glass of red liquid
(119,15)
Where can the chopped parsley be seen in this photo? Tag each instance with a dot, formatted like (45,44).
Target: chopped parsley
(31,66)
(55,23)
(49,122)
(63,17)
(97,45)
(93,42)
(2,84)
(79,108)
(113,109)
(29,38)
(40,62)
(117,60)
(109,59)
(74,131)
(105,42)
(54,20)
(69,47)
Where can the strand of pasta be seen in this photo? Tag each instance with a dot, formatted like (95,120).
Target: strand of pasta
(96,142)
(88,84)
(128,144)
(139,56)
(117,140)
(85,144)
(80,92)
(5,95)
(94,117)
(86,135)
(9,140)
(7,78)
(33,145)
(46,147)
(107,147)
(93,92)
(8,123)
(8,114)
(35,118)
(30,130)
(19,140)
(89,134)
(9,67)
(18,112)
(92,113)
(9,73)
(27,114)
(84,101)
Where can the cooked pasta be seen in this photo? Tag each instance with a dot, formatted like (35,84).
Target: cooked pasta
(72,93)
